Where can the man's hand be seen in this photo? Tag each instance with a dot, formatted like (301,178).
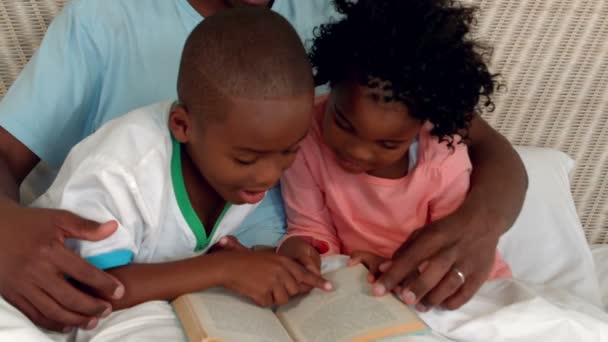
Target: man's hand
(34,264)
(443,264)
(267,278)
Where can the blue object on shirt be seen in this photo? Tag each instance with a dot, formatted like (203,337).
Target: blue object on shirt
(111,259)
(102,59)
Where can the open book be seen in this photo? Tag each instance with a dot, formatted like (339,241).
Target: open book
(348,313)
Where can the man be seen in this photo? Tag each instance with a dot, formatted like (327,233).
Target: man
(89,69)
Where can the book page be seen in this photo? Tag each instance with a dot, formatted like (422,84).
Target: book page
(349,313)
(226,317)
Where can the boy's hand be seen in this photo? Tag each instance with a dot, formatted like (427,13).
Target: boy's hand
(371,261)
(302,252)
(267,278)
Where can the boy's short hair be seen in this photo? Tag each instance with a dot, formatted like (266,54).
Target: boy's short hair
(251,53)
(419,52)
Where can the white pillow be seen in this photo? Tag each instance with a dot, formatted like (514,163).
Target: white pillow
(547,244)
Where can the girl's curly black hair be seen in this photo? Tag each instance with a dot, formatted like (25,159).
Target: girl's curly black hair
(421,49)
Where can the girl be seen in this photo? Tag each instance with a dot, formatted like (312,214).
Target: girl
(386,155)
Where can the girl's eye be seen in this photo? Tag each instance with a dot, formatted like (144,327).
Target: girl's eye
(245,162)
(340,122)
(291,151)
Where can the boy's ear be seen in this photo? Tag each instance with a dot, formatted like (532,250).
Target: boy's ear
(180,123)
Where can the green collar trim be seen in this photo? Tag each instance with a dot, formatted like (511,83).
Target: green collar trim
(184,204)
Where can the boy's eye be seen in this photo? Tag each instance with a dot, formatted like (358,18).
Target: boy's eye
(389,145)
(245,162)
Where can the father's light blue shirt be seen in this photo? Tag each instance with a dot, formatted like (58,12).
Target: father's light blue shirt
(101,59)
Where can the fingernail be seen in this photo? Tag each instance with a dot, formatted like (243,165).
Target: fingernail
(379,290)
(67,330)
(328,286)
(408,297)
(119,292)
(223,241)
(92,324)
(384,266)
(421,308)
(106,312)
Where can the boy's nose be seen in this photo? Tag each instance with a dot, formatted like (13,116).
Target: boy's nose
(269,177)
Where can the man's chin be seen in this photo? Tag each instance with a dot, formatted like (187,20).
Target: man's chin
(251,3)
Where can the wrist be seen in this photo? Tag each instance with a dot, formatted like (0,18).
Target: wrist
(487,221)
(216,268)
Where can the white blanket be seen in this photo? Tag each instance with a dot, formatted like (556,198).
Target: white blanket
(503,310)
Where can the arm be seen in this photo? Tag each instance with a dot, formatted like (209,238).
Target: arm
(266,278)
(498,182)
(307,213)
(16,162)
(310,229)
(44,113)
(103,188)
(498,186)
(33,259)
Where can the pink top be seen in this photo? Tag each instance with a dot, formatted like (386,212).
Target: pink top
(342,212)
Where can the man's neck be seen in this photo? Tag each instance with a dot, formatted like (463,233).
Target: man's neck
(207,7)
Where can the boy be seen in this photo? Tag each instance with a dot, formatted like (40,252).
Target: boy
(178,176)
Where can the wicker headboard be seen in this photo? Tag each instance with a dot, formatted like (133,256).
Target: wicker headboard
(553,55)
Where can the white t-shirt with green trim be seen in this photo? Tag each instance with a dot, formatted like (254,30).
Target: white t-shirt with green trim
(130,171)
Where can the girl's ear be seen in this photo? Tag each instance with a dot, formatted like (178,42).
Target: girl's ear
(180,123)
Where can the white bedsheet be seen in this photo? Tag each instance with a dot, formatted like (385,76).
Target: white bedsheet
(600,257)
(503,310)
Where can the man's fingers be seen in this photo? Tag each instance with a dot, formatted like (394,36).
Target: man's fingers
(78,228)
(448,286)
(101,282)
(34,315)
(50,309)
(430,276)
(407,259)
(465,293)
(75,300)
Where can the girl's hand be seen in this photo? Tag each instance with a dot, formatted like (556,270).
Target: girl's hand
(371,261)
(267,278)
(302,252)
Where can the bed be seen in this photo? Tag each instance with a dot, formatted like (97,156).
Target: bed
(553,57)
